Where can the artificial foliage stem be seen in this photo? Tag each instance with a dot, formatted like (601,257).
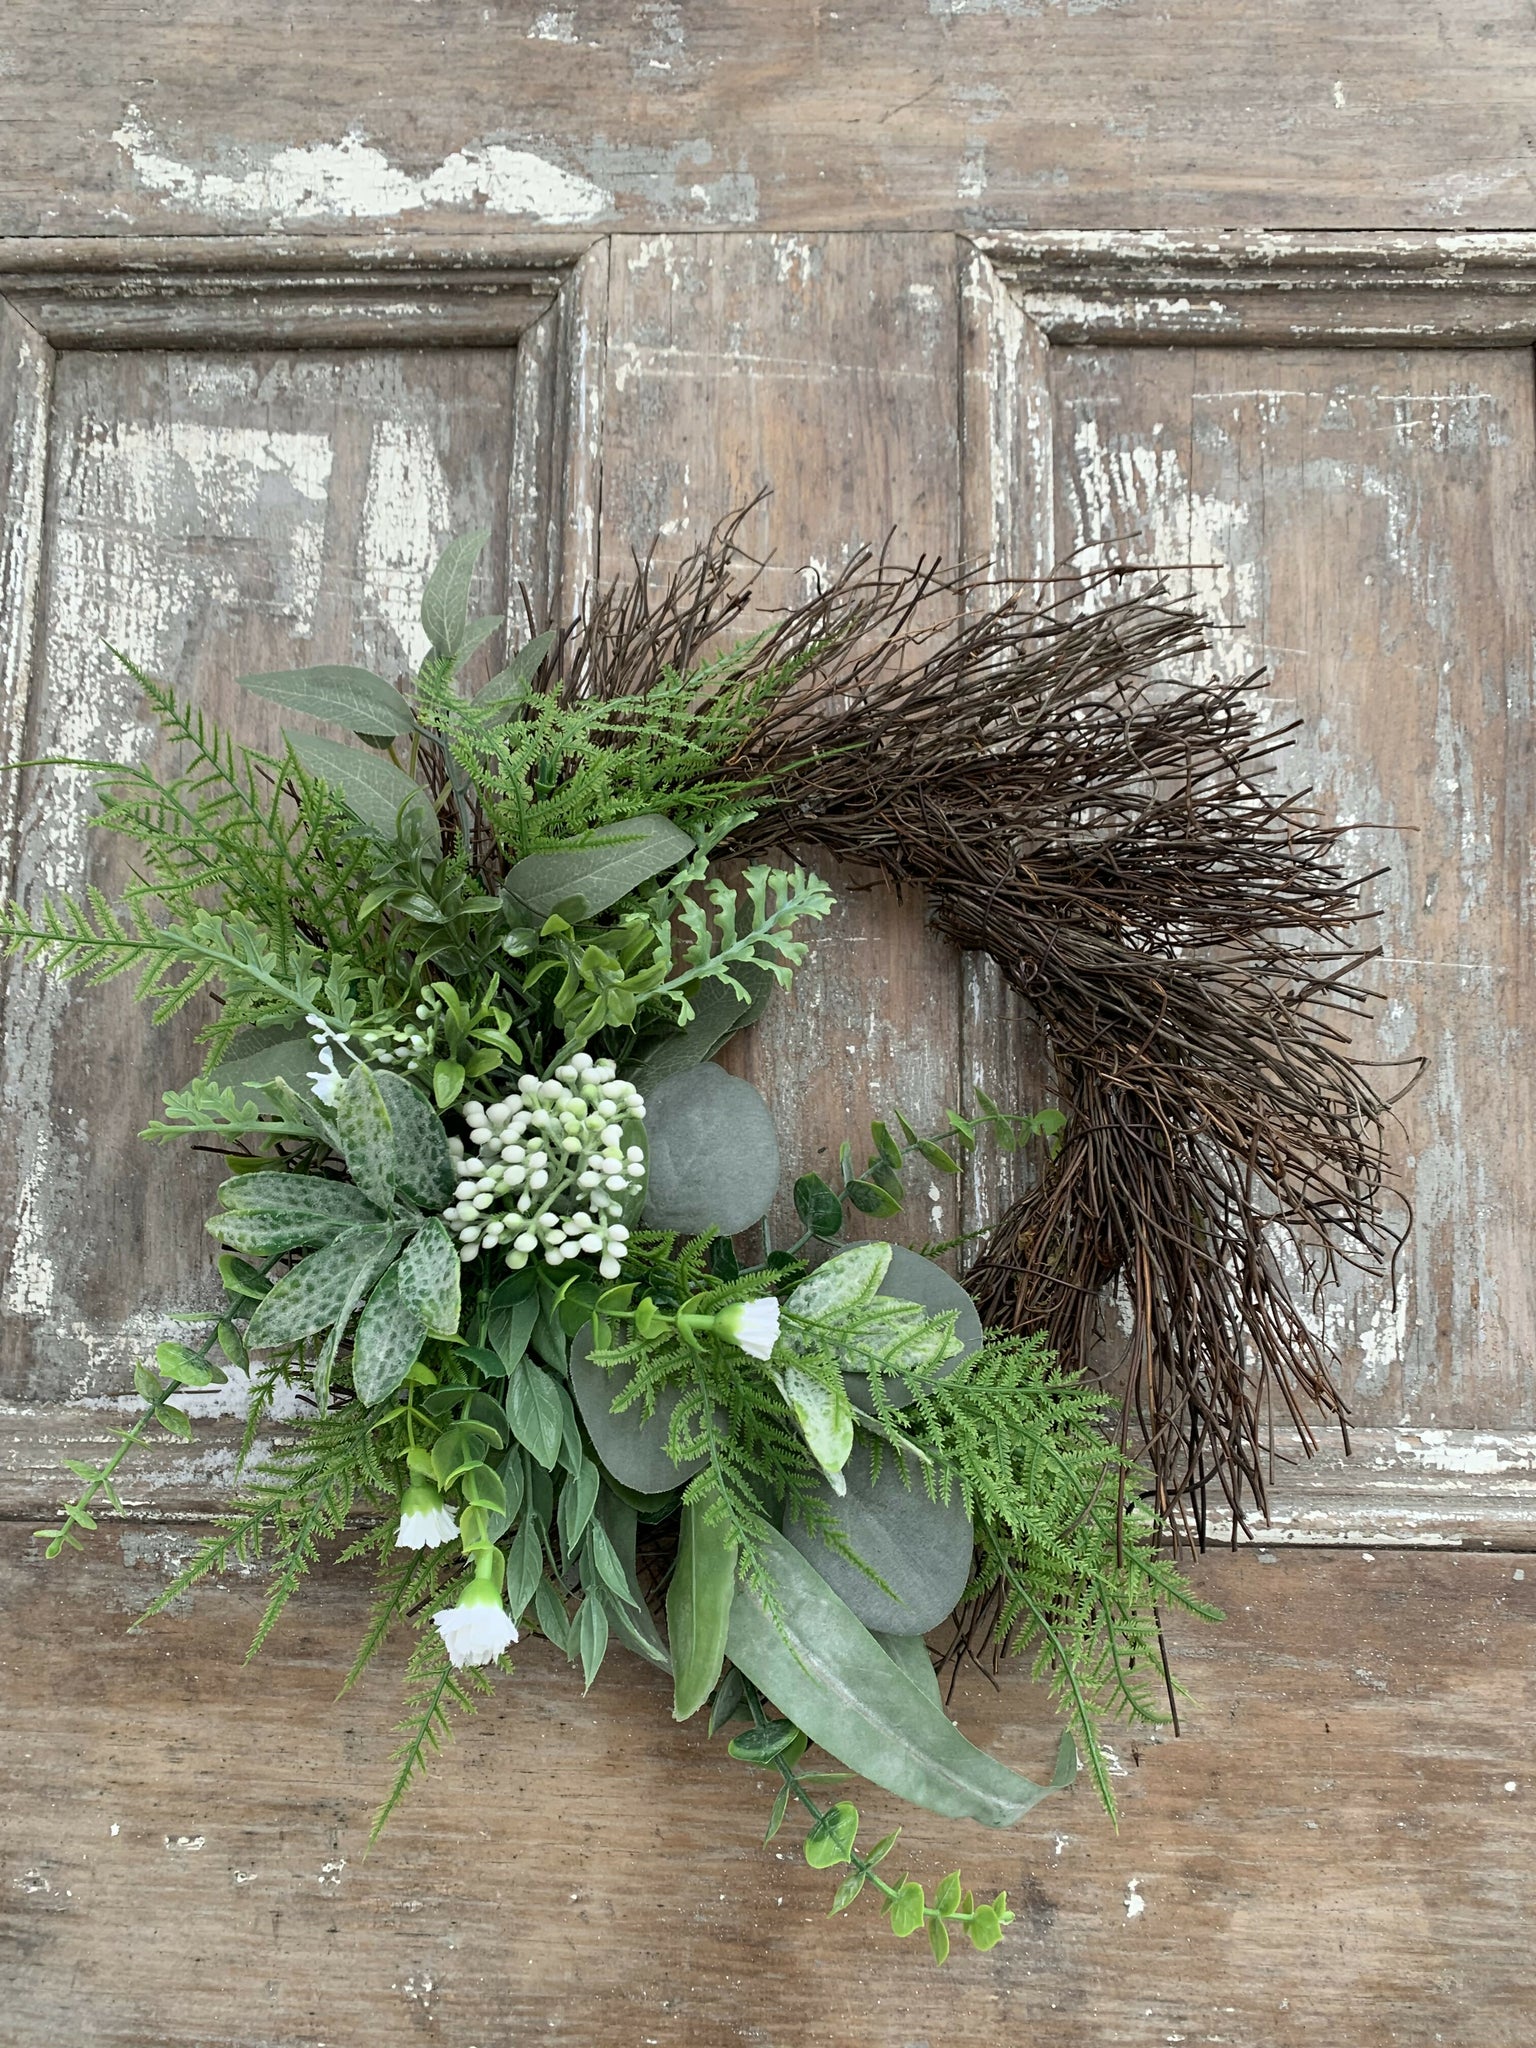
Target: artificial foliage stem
(865,1868)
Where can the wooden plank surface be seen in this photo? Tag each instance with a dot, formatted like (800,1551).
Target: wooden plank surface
(756,113)
(1436,1489)
(210,516)
(1359,522)
(824,368)
(1338,1848)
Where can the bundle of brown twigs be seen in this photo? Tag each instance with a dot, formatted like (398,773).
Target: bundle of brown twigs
(1079,799)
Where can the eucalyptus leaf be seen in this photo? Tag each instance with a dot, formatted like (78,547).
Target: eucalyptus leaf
(632,1447)
(354,697)
(718,1014)
(423,1164)
(445,601)
(367,1136)
(315,1294)
(921,1548)
(823,1669)
(429,1279)
(911,1653)
(713,1153)
(269,1053)
(591,875)
(699,1601)
(511,685)
(376,792)
(387,1342)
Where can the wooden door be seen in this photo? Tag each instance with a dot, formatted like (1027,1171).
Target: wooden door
(234,428)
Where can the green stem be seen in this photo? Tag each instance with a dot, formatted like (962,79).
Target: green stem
(867,1870)
(76,1512)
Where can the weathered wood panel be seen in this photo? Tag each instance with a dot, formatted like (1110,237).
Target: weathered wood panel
(1425,1489)
(708,113)
(824,368)
(1338,1849)
(208,516)
(1360,523)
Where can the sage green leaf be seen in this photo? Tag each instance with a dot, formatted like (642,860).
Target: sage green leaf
(593,874)
(353,697)
(632,1447)
(367,1136)
(823,1668)
(510,686)
(921,1548)
(699,1601)
(302,1109)
(380,795)
(387,1342)
(845,1282)
(445,601)
(271,1053)
(429,1279)
(631,1617)
(525,1568)
(302,1196)
(507,1329)
(591,1637)
(719,1012)
(423,1164)
(825,1418)
(911,1277)
(831,1840)
(533,1409)
(713,1154)
(911,1654)
(316,1293)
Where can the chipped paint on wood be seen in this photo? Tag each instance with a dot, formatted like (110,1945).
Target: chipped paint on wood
(349,179)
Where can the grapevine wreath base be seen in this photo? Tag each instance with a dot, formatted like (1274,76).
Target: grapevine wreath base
(496,1217)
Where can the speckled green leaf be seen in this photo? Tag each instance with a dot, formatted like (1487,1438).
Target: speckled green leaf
(387,1343)
(843,1283)
(301,1196)
(429,1279)
(317,1291)
(825,1418)
(367,1136)
(423,1165)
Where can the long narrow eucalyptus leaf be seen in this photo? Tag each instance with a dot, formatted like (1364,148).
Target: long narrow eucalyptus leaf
(827,1674)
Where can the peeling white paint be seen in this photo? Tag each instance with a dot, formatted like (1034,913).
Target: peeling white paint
(407,507)
(554,25)
(1135,1904)
(351,180)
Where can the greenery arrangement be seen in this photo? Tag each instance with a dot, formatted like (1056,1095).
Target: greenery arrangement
(464,976)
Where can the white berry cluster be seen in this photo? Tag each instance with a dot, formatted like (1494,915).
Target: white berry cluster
(550,1170)
(398,1045)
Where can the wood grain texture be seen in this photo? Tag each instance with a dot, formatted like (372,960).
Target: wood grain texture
(954,113)
(1359,523)
(1337,1849)
(1415,1489)
(210,516)
(823,368)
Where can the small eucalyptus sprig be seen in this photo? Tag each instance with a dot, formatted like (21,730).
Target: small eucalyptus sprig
(834,1831)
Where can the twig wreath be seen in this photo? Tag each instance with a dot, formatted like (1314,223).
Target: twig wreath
(491,1211)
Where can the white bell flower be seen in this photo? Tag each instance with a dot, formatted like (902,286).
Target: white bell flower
(425,1519)
(478,1629)
(752,1326)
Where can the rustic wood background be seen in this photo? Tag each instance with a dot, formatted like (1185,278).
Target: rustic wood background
(1251,292)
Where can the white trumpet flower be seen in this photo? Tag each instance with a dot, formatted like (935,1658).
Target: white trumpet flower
(752,1326)
(426,1520)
